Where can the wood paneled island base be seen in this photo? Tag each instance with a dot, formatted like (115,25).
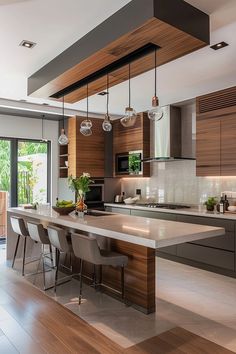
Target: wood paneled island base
(136,237)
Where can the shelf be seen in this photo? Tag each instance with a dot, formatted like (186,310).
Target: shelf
(63,168)
(64,155)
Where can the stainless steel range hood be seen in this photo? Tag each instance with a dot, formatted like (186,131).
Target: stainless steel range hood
(168,137)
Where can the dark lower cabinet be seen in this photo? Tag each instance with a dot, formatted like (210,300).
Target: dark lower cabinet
(215,253)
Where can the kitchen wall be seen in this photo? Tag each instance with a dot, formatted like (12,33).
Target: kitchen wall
(20,127)
(177,182)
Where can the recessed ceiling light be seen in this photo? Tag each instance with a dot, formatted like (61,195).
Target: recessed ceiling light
(45,104)
(219,45)
(103,93)
(27,44)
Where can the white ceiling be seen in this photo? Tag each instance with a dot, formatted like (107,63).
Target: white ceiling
(55,25)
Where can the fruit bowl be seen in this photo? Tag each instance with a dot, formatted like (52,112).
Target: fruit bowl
(63,210)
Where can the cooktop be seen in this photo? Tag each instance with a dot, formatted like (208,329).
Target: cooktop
(164,205)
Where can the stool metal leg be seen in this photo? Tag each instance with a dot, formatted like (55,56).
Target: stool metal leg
(57,268)
(81,281)
(123,282)
(15,252)
(51,255)
(23,262)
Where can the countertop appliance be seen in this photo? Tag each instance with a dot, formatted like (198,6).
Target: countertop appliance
(119,198)
(164,205)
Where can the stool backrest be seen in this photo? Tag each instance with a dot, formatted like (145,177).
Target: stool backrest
(86,248)
(57,237)
(18,226)
(37,232)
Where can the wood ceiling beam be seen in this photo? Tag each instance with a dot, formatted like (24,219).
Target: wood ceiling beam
(175,26)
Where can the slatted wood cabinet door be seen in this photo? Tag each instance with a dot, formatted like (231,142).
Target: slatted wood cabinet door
(228,146)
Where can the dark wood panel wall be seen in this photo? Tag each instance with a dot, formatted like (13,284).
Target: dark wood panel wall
(216,133)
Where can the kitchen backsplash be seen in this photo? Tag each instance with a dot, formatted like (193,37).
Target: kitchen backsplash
(177,182)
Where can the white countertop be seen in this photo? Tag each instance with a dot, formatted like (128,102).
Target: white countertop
(194,211)
(153,233)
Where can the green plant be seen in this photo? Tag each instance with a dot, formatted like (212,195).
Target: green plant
(211,202)
(134,162)
(81,184)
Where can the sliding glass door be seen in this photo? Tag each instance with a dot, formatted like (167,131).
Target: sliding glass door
(5,182)
(32,170)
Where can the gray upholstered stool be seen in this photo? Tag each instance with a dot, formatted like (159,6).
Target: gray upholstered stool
(58,239)
(18,226)
(39,234)
(86,248)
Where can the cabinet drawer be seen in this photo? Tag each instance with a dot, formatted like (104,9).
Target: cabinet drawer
(153,214)
(207,255)
(118,210)
(227,224)
(169,250)
(225,242)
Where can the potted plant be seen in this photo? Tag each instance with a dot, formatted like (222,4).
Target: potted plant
(210,203)
(80,185)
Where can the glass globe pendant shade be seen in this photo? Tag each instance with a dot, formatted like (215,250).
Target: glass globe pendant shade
(156,113)
(129,118)
(63,140)
(86,124)
(85,131)
(106,125)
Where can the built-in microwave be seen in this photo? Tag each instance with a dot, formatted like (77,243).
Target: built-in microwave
(129,163)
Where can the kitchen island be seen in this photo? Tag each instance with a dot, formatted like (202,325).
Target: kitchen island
(137,237)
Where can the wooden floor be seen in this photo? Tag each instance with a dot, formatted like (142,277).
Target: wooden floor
(32,323)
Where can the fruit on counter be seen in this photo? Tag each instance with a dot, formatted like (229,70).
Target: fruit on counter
(64,203)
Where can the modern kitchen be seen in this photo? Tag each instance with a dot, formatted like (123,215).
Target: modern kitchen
(118,178)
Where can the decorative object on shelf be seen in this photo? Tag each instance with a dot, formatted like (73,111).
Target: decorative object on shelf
(156,113)
(210,203)
(106,125)
(86,125)
(80,186)
(63,139)
(43,140)
(130,116)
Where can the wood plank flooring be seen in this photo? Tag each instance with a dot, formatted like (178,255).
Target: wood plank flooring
(32,323)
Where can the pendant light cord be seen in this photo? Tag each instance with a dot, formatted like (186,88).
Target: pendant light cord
(155,72)
(87,101)
(107,93)
(42,125)
(129,88)
(63,111)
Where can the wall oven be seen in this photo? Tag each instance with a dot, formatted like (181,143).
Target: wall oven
(95,197)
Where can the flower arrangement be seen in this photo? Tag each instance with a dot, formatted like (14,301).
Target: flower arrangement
(80,185)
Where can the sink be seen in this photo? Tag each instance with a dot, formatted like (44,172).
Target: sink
(97,213)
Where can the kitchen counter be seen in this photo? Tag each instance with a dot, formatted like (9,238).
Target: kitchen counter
(194,211)
(146,232)
(135,236)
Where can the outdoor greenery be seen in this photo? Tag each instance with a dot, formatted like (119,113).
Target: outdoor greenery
(26,176)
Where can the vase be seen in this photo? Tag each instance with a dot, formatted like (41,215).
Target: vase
(210,207)
(81,207)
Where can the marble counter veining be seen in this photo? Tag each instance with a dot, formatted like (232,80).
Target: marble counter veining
(194,211)
(153,233)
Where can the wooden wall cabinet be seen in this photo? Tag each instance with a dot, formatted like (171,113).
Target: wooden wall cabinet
(132,139)
(86,154)
(216,134)
(63,161)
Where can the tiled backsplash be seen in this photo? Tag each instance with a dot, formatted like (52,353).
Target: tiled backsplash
(177,182)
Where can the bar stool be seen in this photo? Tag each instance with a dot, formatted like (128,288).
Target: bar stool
(39,234)
(86,248)
(19,228)
(58,239)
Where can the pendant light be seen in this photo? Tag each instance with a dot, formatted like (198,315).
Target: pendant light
(43,140)
(130,116)
(106,125)
(86,125)
(63,140)
(156,113)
